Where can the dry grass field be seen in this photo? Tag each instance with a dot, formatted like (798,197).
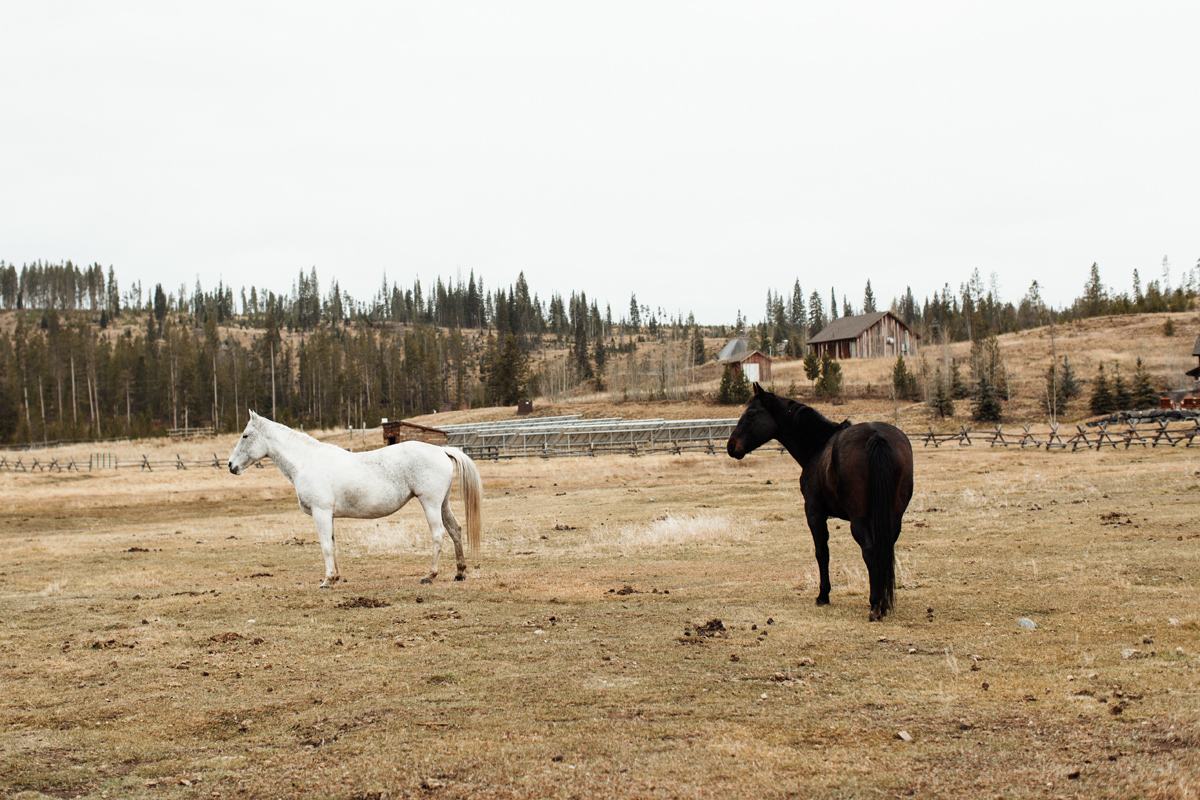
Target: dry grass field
(162,636)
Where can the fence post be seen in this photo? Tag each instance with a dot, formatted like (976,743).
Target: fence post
(1105,438)
(1054,437)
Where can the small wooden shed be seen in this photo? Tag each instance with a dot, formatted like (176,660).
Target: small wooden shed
(754,364)
(395,432)
(880,334)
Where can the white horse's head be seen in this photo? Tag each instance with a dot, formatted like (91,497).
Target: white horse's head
(252,447)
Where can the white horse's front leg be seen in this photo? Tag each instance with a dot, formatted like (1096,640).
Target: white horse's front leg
(323,518)
(433,515)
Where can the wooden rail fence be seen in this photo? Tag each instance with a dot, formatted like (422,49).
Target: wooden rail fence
(1126,434)
(104,461)
(641,437)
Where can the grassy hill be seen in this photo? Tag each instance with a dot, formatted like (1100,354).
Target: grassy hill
(1118,340)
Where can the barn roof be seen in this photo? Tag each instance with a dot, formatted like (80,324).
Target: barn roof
(849,327)
(1196,349)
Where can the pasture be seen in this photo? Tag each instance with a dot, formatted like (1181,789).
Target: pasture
(162,636)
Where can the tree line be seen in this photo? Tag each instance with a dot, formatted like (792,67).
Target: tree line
(82,358)
(972,312)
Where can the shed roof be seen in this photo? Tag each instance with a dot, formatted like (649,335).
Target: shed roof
(1196,349)
(734,350)
(849,327)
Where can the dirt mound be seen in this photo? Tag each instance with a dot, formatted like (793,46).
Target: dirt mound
(363,602)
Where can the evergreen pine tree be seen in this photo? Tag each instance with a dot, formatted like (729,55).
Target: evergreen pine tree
(816,315)
(941,403)
(831,376)
(868,299)
(830,383)
(985,407)
(1144,393)
(812,368)
(579,351)
(1068,384)
(904,380)
(1101,401)
(741,388)
(1122,399)
(1095,299)
(601,358)
(698,355)
(510,373)
(958,387)
(725,391)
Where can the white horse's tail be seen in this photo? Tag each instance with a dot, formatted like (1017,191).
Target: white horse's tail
(472,491)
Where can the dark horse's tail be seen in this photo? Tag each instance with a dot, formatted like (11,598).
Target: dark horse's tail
(881,493)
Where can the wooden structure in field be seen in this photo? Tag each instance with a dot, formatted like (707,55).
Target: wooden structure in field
(754,364)
(396,432)
(880,334)
(1195,373)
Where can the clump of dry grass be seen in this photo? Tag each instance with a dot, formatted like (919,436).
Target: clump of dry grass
(670,530)
(399,534)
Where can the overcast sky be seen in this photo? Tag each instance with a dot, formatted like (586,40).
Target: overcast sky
(696,154)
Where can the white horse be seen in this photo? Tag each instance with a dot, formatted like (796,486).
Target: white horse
(331,482)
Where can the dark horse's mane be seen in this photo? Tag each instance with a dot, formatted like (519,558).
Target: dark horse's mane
(809,415)
(815,427)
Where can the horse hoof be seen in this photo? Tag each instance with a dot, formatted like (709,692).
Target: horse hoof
(875,616)
(460,577)
(426,580)
(822,601)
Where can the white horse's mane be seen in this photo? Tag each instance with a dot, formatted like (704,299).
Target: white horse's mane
(299,437)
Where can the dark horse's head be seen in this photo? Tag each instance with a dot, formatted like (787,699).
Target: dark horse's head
(759,423)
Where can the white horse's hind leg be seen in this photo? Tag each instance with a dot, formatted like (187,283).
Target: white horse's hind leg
(433,515)
(323,518)
(455,531)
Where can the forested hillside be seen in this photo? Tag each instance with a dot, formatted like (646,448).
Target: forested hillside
(82,358)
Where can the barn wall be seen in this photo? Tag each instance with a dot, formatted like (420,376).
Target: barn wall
(871,343)
(396,432)
(763,362)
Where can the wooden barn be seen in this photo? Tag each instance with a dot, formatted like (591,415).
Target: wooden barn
(1195,373)
(880,334)
(754,364)
(394,432)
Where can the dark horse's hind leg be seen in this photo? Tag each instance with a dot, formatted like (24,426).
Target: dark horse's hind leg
(861,535)
(819,525)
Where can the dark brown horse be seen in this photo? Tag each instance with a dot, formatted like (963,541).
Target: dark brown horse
(862,473)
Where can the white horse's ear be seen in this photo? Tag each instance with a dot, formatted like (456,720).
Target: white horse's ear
(253,416)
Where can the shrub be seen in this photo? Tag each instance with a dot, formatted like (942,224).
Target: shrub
(941,403)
